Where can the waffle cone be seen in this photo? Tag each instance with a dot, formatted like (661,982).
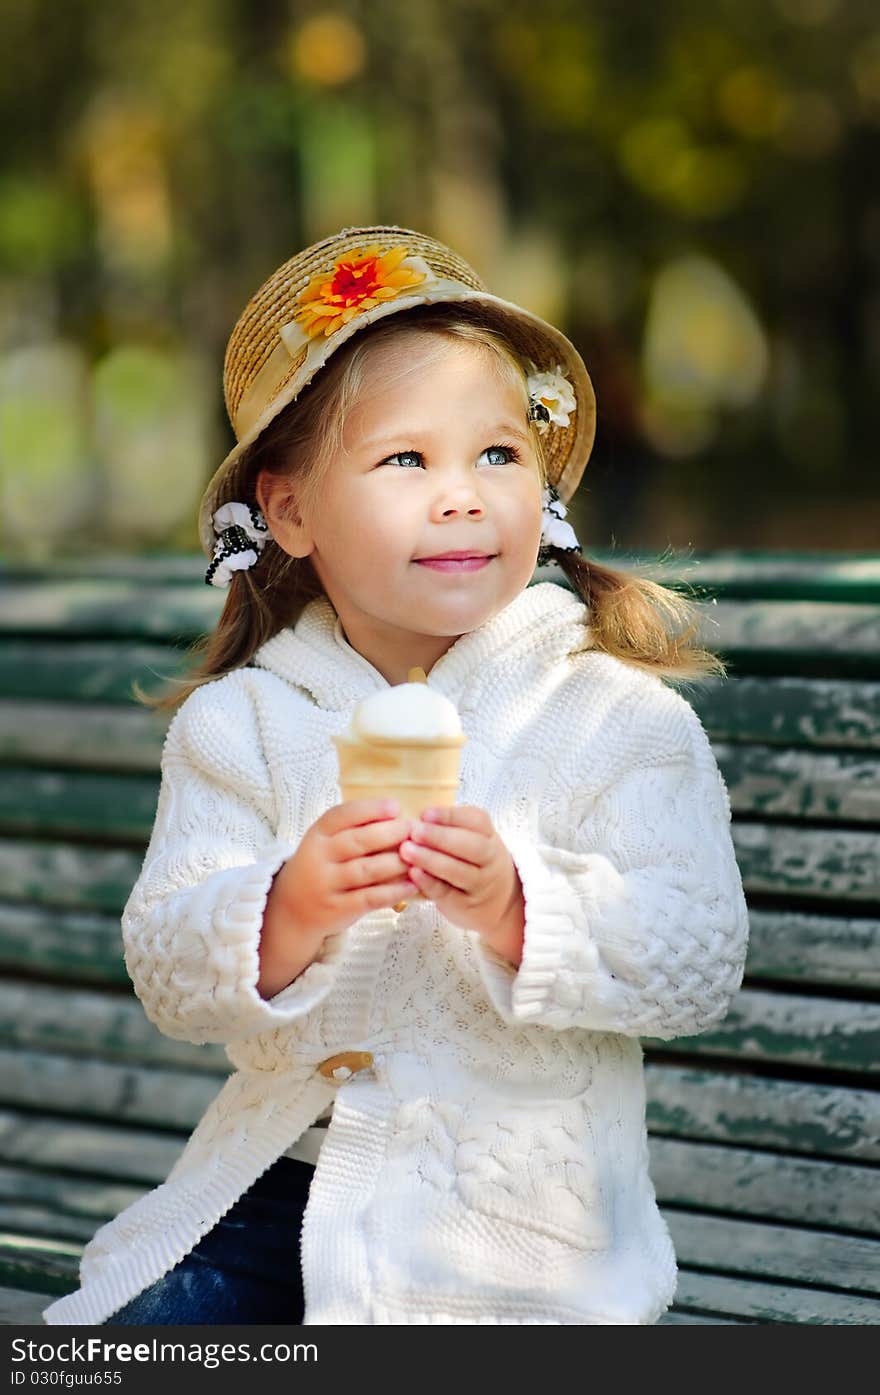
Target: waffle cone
(417,773)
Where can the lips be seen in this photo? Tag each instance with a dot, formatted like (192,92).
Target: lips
(461,562)
(460,556)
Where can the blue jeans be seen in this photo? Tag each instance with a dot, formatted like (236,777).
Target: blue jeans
(246,1270)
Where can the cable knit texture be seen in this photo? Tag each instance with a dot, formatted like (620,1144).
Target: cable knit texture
(492,1166)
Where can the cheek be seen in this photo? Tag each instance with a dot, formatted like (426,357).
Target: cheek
(523,517)
(367,526)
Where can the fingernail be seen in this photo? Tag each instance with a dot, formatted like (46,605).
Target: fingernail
(429,813)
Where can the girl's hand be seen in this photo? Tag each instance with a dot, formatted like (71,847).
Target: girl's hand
(458,861)
(346,864)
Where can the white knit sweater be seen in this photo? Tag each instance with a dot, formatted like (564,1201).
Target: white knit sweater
(491,1167)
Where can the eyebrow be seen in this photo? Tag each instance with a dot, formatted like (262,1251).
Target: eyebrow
(416,434)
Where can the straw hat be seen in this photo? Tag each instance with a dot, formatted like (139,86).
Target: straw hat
(316,301)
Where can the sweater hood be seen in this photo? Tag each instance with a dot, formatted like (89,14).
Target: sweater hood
(540,626)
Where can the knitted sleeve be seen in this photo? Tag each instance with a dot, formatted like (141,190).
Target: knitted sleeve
(191,926)
(642,927)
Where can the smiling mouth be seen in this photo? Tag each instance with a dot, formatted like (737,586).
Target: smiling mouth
(455,564)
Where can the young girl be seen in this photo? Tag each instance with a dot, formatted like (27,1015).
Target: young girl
(437,1113)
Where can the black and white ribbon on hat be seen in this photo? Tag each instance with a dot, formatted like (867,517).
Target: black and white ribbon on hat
(242,533)
(555,533)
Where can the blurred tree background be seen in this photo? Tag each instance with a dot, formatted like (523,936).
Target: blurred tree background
(689,191)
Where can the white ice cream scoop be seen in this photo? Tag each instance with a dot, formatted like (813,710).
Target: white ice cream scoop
(405,712)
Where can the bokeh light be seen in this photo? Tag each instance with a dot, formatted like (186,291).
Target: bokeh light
(688,193)
(328,49)
(704,350)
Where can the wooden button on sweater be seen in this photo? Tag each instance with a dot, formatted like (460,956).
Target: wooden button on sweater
(345,1065)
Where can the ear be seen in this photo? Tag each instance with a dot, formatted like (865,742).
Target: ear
(277,499)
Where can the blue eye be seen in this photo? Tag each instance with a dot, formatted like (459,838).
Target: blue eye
(509,453)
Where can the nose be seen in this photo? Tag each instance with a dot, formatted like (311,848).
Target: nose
(458,496)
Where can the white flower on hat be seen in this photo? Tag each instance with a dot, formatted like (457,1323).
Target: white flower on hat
(550,389)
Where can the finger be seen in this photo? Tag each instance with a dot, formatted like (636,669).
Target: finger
(468,816)
(354,812)
(369,838)
(366,871)
(462,843)
(431,888)
(461,875)
(372,898)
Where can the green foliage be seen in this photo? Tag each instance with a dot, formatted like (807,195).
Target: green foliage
(170,153)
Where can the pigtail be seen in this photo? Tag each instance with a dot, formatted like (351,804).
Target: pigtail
(640,622)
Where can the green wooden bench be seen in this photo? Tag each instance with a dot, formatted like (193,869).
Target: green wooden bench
(764,1132)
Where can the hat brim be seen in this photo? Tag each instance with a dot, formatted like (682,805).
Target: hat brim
(551,349)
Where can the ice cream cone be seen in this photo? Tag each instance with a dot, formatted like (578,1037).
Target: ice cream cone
(418,773)
(403,743)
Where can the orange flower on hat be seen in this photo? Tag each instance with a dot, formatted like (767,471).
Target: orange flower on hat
(357,282)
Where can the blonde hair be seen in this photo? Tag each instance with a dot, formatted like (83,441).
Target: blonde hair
(632,618)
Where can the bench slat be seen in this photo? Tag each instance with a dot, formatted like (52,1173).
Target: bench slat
(94,736)
(794,636)
(29,1219)
(817,949)
(76,803)
(68,944)
(62,874)
(819,575)
(88,1201)
(769,1186)
(801,712)
(148,567)
(94,671)
(793,1029)
(33,1262)
(18,1308)
(94,1024)
(831,787)
(768,1302)
(83,1148)
(94,1089)
(761,1112)
(762,1251)
(98,608)
(673,1318)
(826,864)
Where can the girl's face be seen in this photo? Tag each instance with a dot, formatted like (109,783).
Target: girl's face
(437,460)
